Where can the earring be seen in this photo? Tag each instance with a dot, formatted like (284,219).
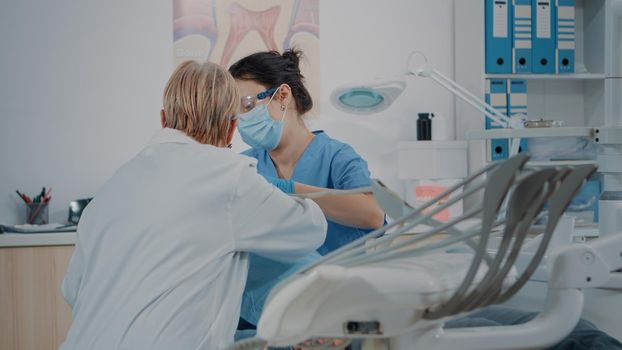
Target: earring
(283,107)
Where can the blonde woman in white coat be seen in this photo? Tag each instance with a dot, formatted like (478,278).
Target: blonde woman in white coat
(161,254)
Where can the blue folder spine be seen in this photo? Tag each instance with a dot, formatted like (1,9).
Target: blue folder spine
(496,96)
(543,36)
(521,36)
(498,49)
(517,104)
(566,31)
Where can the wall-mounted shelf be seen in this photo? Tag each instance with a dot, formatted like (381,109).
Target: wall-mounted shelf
(576,76)
(553,163)
(531,133)
(577,99)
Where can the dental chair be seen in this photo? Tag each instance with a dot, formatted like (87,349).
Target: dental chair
(396,287)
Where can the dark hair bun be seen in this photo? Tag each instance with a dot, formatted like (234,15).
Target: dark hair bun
(271,69)
(293,55)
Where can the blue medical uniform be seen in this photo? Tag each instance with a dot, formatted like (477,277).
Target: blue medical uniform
(325,163)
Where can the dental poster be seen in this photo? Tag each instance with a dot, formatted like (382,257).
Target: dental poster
(223,31)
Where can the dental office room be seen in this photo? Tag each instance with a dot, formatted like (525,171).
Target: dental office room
(311,174)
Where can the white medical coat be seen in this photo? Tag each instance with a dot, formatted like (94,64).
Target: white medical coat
(161,254)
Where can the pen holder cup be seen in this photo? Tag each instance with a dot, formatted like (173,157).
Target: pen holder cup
(37,213)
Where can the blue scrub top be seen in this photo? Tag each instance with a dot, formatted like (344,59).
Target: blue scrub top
(326,163)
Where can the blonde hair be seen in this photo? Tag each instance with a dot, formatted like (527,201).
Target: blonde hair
(200,99)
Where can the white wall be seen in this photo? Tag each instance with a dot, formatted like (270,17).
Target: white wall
(80,92)
(81,85)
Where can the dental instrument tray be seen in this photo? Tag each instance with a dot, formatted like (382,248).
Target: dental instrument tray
(393,284)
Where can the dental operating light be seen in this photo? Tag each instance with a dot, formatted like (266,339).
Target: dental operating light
(371,98)
(367,98)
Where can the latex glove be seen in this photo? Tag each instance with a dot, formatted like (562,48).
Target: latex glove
(284,185)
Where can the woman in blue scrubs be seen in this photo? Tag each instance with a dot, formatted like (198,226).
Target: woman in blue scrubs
(295,159)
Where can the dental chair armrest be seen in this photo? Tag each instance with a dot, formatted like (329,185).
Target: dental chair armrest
(590,265)
(559,317)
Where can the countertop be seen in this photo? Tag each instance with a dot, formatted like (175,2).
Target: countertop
(36,239)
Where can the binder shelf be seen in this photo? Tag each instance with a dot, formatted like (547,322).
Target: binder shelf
(574,76)
(531,133)
(548,37)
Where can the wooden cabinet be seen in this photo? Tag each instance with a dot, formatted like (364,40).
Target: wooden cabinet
(33,313)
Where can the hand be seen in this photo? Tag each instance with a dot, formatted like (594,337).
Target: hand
(284,185)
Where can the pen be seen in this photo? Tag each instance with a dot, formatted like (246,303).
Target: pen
(22,196)
(47,196)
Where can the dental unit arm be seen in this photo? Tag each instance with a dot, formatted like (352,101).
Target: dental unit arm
(592,265)
(427,71)
(395,290)
(516,122)
(572,268)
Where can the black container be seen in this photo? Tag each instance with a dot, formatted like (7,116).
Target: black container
(424,127)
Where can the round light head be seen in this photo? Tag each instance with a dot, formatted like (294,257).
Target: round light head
(367,98)
(361,98)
